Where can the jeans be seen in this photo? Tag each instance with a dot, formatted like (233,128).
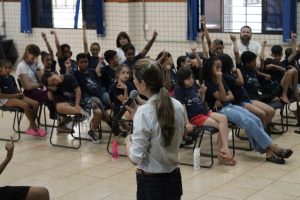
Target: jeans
(244,119)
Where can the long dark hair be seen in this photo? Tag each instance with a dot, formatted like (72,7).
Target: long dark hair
(150,72)
(208,69)
(124,35)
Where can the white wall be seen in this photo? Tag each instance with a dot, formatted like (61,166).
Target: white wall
(169,19)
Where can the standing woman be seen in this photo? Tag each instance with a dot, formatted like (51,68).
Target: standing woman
(158,127)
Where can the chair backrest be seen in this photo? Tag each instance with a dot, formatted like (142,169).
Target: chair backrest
(20,85)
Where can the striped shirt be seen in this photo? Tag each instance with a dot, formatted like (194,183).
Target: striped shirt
(147,149)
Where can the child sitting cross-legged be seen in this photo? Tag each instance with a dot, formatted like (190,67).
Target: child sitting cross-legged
(66,93)
(10,96)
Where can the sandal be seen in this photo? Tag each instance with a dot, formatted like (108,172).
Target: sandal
(284,153)
(275,159)
(226,159)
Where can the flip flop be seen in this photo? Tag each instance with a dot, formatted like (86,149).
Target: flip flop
(226,159)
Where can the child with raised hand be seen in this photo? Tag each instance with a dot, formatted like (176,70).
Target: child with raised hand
(10,96)
(63,54)
(93,55)
(48,58)
(129,51)
(198,115)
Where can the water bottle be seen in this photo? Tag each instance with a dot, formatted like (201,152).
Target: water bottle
(196,158)
(115,152)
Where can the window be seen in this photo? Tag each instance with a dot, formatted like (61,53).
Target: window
(61,13)
(64,13)
(263,16)
(240,13)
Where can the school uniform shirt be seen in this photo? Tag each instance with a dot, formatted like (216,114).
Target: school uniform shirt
(115,92)
(24,68)
(275,74)
(189,97)
(251,83)
(239,92)
(107,76)
(89,83)
(61,63)
(8,85)
(93,61)
(65,91)
(147,149)
(136,58)
(209,95)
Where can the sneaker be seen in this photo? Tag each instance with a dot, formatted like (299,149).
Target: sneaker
(31,131)
(85,114)
(94,136)
(41,132)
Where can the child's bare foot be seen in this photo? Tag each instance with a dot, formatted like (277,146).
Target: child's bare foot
(285,99)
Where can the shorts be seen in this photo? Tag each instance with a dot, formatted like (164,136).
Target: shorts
(14,192)
(199,120)
(3,101)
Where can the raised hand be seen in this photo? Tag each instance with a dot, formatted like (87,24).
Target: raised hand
(264,43)
(154,34)
(52,32)
(293,35)
(233,37)
(44,36)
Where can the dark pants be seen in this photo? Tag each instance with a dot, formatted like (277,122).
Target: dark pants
(42,97)
(14,192)
(166,186)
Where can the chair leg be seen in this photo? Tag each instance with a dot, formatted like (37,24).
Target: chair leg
(75,121)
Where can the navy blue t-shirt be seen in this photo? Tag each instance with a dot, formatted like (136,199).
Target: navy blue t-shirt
(65,91)
(61,63)
(239,92)
(251,83)
(209,95)
(189,97)
(93,61)
(89,83)
(8,85)
(107,77)
(115,92)
(275,74)
(136,58)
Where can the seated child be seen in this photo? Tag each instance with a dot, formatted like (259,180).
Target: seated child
(169,71)
(93,95)
(67,96)
(93,57)
(108,71)
(10,96)
(234,79)
(48,58)
(64,55)
(280,76)
(219,98)
(198,115)
(121,89)
(129,51)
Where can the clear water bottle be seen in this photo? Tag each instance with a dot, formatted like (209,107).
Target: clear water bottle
(115,152)
(197,159)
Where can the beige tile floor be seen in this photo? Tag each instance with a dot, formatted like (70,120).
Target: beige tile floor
(91,173)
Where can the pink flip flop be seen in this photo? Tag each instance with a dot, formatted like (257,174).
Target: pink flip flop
(31,131)
(41,132)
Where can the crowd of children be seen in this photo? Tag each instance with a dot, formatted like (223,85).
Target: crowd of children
(214,88)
